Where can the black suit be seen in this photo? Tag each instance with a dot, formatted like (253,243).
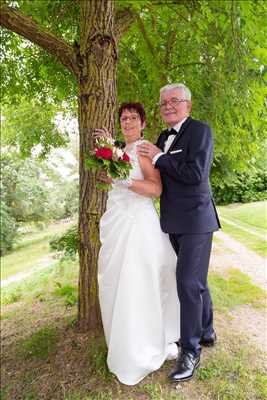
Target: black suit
(188,214)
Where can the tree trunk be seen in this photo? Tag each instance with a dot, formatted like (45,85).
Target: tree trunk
(97,59)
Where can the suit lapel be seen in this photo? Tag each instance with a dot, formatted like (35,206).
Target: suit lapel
(180,133)
(162,139)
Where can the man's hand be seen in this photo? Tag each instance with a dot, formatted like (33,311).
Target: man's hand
(148,149)
(98,133)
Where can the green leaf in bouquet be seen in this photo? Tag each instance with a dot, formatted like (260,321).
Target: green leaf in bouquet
(113,170)
(93,163)
(102,186)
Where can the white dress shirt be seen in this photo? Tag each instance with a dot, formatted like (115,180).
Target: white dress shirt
(169,141)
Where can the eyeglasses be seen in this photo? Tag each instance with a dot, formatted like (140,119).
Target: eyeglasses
(132,118)
(173,102)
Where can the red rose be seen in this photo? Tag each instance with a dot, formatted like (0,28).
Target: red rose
(125,157)
(104,152)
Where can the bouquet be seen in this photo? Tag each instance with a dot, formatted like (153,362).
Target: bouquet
(111,158)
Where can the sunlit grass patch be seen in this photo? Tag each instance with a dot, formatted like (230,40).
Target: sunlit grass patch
(252,214)
(229,375)
(40,345)
(253,242)
(41,285)
(30,250)
(235,290)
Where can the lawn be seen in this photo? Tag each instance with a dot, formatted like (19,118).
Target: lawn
(252,215)
(47,358)
(30,250)
(251,219)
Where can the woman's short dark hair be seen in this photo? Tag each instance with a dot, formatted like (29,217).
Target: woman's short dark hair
(137,107)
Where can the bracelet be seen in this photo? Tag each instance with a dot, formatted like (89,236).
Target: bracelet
(123,182)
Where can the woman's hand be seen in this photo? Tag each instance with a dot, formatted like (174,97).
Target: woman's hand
(98,133)
(103,177)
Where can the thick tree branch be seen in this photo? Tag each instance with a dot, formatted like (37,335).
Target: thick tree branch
(26,27)
(123,21)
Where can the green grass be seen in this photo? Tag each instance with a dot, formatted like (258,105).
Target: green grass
(97,352)
(40,345)
(252,214)
(93,396)
(29,251)
(230,375)
(43,285)
(235,291)
(249,240)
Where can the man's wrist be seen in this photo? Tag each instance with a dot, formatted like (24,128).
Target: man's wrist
(156,157)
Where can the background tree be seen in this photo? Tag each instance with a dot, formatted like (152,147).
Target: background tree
(211,46)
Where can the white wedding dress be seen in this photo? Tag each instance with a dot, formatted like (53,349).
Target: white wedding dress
(137,284)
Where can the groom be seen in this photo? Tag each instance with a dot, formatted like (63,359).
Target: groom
(183,155)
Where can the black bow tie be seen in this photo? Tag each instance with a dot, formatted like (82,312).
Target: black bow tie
(170,132)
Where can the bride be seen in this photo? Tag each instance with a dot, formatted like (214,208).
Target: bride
(136,267)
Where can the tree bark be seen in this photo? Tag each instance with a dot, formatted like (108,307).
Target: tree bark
(93,63)
(97,101)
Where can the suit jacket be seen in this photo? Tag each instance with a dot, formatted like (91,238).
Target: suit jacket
(186,204)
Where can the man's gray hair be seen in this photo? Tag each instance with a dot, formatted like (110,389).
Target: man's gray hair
(180,86)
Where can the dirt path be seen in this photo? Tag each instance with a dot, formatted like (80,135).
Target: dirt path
(228,253)
(248,322)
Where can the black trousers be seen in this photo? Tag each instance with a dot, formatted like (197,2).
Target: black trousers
(196,318)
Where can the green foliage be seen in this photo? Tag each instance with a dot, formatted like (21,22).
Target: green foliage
(68,292)
(209,46)
(68,242)
(8,229)
(242,188)
(41,344)
(29,71)
(29,124)
(71,201)
(33,191)
(23,188)
(215,47)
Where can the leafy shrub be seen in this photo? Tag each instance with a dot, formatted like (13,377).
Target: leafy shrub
(8,230)
(69,293)
(243,188)
(68,242)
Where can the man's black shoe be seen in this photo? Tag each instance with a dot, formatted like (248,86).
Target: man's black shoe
(208,341)
(184,367)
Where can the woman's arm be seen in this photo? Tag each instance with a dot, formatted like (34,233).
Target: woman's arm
(151,185)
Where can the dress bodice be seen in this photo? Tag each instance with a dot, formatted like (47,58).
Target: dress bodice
(136,171)
(124,196)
